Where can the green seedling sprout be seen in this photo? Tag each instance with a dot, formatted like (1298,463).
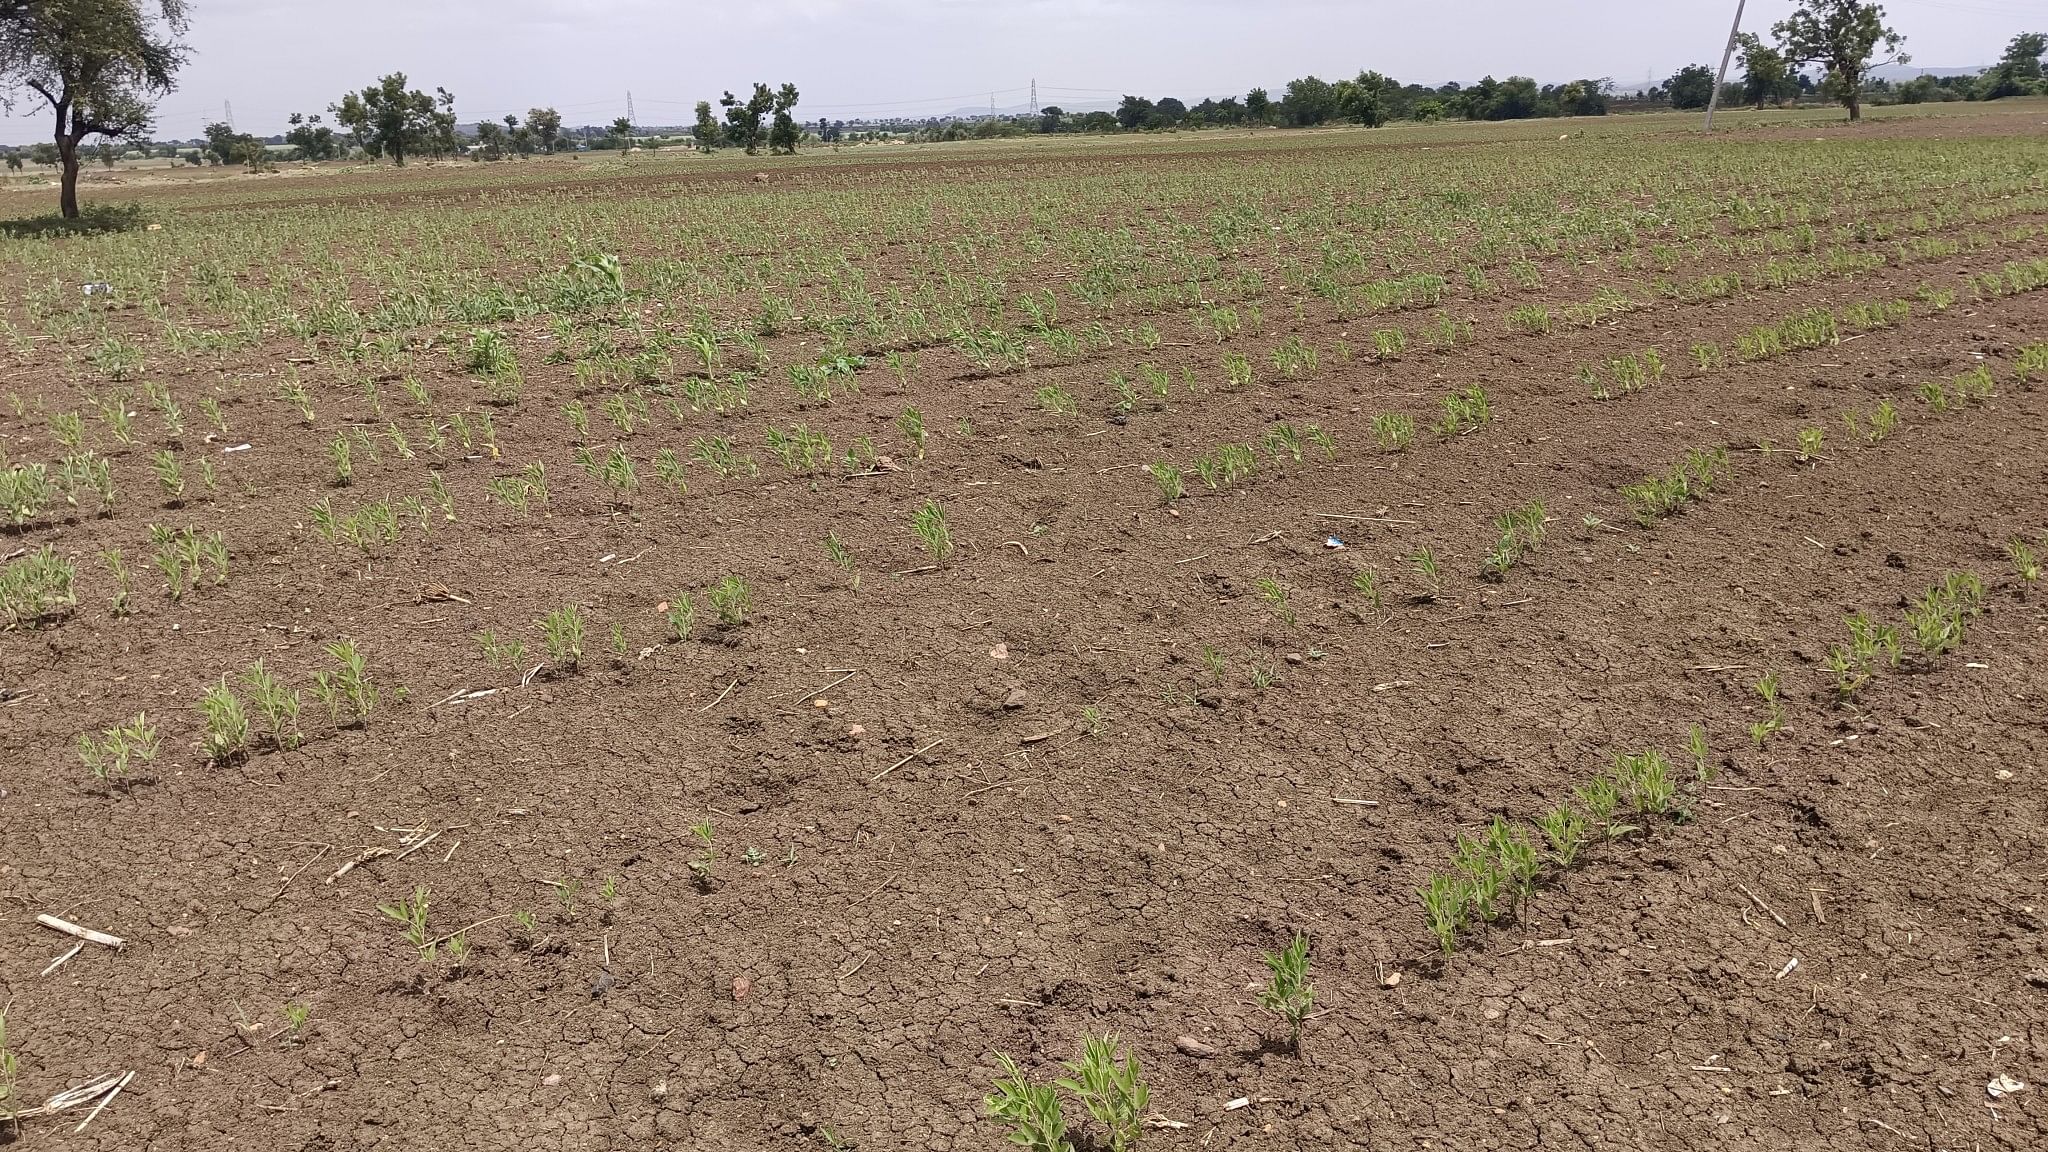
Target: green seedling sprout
(1288,993)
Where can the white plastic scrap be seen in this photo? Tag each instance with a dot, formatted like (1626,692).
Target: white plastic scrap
(2003,1085)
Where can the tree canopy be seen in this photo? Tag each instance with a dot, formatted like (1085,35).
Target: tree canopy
(98,65)
(1842,36)
(387,119)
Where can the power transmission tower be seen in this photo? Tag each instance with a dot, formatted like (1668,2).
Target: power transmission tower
(1034,96)
(1714,97)
(630,118)
(227,109)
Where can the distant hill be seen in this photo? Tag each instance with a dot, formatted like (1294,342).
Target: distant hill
(1897,73)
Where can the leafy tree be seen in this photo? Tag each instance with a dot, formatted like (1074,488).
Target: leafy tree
(1049,119)
(97,64)
(2023,55)
(743,119)
(520,137)
(782,134)
(706,131)
(1765,73)
(1691,87)
(2019,71)
(490,140)
(252,152)
(546,126)
(314,140)
(221,141)
(1170,111)
(1229,111)
(1841,35)
(44,154)
(14,161)
(1133,112)
(386,118)
(1309,102)
(105,154)
(1365,99)
(1258,106)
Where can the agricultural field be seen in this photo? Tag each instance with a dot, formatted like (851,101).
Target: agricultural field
(1450,637)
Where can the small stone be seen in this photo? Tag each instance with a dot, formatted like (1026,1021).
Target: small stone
(551,1079)
(1016,698)
(1393,980)
(1193,1047)
(1294,658)
(856,730)
(1000,652)
(601,983)
(821,702)
(741,985)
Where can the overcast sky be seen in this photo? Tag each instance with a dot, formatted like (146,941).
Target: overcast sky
(929,57)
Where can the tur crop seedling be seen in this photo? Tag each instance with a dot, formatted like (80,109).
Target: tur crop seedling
(1288,993)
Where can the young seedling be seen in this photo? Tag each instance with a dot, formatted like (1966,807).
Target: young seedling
(1646,777)
(295,1017)
(1275,596)
(562,635)
(1172,486)
(703,867)
(1809,445)
(276,704)
(227,725)
(1112,1087)
(1601,798)
(124,581)
(1288,993)
(1565,831)
(109,756)
(681,615)
(169,476)
(1766,689)
(1037,1123)
(930,525)
(1366,582)
(911,424)
(347,691)
(1519,863)
(339,453)
(841,555)
(10,1072)
(501,653)
(411,911)
(732,600)
(1430,571)
(1702,756)
(1444,904)
(2024,562)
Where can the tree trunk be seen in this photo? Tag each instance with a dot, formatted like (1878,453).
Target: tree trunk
(1855,99)
(67,156)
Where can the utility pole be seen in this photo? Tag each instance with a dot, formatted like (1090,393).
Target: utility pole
(1714,97)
